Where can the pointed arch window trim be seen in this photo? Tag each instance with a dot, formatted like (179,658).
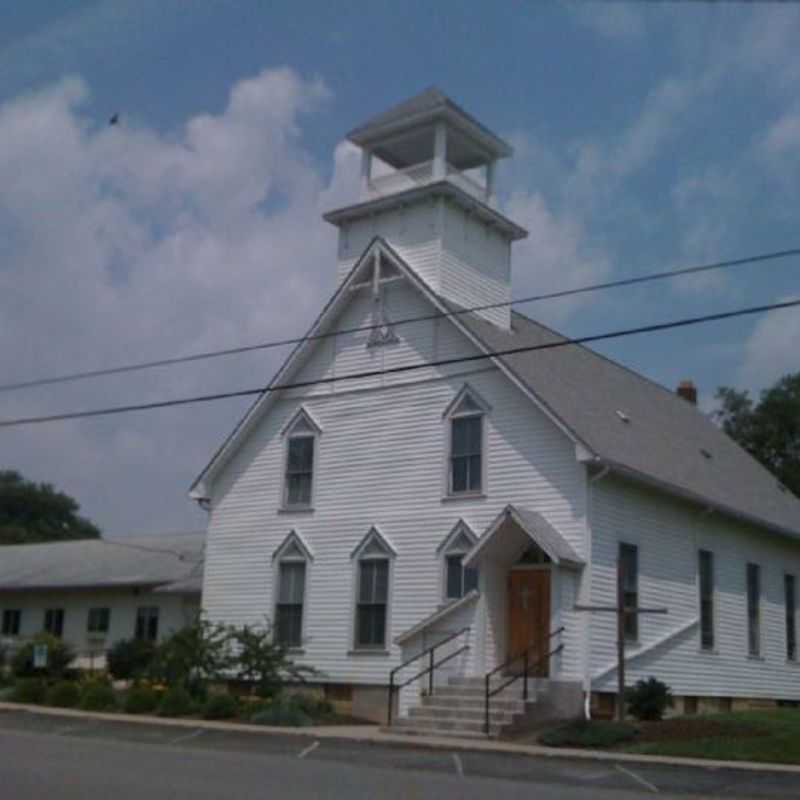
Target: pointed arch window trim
(301,436)
(291,567)
(373,570)
(467,438)
(457,580)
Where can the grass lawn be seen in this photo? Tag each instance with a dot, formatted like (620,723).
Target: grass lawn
(767,736)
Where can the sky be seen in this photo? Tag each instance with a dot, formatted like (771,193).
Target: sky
(647,136)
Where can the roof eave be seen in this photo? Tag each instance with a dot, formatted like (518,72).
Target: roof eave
(694,497)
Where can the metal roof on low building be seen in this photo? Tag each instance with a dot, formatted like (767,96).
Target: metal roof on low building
(172,562)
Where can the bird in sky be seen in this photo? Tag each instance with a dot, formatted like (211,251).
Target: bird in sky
(114,118)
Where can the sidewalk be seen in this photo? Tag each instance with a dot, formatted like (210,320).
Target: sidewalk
(372,734)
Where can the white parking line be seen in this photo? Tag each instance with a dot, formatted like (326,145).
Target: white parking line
(459,765)
(185,738)
(310,749)
(638,778)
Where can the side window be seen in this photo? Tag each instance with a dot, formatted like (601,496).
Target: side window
(301,445)
(629,563)
(54,621)
(753,609)
(466,418)
(147,623)
(458,579)
(12,621)
(373,559)
(705,570)
(289,608)
(99,620)
(790,601)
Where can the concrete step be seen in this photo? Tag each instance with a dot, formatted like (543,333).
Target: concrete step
(444,727)
(408,729)
(515,705)
(479,696)
(467,714)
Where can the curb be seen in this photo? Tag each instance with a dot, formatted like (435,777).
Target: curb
(368,734)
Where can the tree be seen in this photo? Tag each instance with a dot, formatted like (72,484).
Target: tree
(770,429)
(35,512)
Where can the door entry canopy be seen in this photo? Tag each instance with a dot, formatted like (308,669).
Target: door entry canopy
(513,531)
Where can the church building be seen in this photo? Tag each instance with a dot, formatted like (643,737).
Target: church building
(435,469)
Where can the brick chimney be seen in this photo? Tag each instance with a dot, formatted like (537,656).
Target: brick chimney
(688,391)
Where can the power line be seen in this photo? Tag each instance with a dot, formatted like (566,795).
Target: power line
(164,362)
(661,326)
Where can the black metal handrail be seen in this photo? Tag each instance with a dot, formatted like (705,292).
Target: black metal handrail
(429,670)
(527,667)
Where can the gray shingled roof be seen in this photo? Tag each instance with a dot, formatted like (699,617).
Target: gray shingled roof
(173,562)
(428,103)
(665,440)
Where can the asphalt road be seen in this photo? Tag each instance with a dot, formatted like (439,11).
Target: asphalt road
(71,759)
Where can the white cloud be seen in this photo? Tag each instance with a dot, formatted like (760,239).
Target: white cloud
(771,350)
(121,244)
(783,137)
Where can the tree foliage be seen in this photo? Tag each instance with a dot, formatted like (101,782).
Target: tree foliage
(769,429)
(35,512)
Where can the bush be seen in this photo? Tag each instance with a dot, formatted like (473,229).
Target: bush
(283,714)
(648,700)
(176,702)
(314,707)
(588,733)
(64,694)
(98,696)
(141,700)
(129,659)
(59,657)
(30,690)
(220,706)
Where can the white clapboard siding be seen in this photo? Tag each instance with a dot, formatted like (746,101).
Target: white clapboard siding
(381,461)
(668,534)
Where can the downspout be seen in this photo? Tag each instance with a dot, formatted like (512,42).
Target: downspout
(587,678)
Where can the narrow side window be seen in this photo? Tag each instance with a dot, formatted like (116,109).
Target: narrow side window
(705,568)
(753,609)
(629,563)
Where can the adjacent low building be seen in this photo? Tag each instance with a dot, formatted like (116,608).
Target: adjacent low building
(94,592)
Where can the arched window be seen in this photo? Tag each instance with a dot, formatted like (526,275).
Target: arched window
(291,560)
(301,443)
(373,558)
(458,580)
(467,436)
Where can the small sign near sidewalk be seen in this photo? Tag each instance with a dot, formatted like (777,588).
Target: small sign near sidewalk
(40,655)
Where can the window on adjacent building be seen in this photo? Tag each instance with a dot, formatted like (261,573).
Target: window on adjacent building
(54,621)
(147,623)
(629,564)
(99,620)
(12,620)
(466,418)
(705,568)
(289,607)
(373,597)
(753,609)
(791,627)
(300,445)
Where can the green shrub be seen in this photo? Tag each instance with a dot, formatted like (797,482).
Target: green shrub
(129,659)
(176,702)
(64,694)
(284,711)
(314,707)
(220,706)
(98,696)
(588,733)
(59,657)
(30,690)
(648,700)
(141,700)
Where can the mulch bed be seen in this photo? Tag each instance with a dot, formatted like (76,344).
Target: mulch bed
(698,728)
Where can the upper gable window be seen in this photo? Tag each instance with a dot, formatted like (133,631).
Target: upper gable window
(301,437)
(467,435)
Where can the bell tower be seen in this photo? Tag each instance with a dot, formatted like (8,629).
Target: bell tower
(428,188)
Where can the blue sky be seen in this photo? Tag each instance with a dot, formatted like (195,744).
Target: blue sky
(648,136)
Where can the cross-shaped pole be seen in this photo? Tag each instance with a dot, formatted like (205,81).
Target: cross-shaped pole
(622,611)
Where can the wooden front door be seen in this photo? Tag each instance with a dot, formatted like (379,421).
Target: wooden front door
(529,614)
